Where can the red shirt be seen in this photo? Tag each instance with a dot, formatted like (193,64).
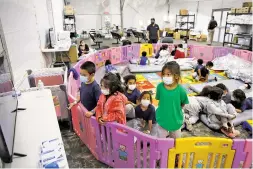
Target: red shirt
(179,54)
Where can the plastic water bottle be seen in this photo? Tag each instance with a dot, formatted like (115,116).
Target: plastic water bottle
(41,85)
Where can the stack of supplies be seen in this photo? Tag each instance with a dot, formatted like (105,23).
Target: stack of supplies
(52,154)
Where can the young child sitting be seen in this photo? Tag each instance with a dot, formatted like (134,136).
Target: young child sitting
(163,48)
(240,99)
(226,97)
(180,52)
(112,101)
(90,90)
(109,67)
(216,114)
(132,94)
(162,56)
(197,68)
(146,111)
(203,73)
(144,59)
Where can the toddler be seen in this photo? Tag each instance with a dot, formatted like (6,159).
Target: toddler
(203,72)
(180,52)
(111,103)
(146,111)
(240,99)
(144,59)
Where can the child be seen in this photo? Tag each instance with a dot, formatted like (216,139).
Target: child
(146,111)
(162,55)
(90,90)
(218,115)
(172,97)
(110,68)
(226,97)
(180,52)
(204,72)
(112,101)
(143,61)
(83,48)
(198,68)
(132,94)
(239,97)
(163,48)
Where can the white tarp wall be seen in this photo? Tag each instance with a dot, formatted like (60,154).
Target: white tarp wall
(90,13)
(205,8)
(25,25)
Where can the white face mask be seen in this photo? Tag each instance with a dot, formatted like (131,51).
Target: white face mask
(105,91)
(132,87)
(145,103)
(168,80)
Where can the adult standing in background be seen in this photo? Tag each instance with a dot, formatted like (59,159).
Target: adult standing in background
(211,26)
(153,32)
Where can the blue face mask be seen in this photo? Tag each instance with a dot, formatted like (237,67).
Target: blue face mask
(83,79)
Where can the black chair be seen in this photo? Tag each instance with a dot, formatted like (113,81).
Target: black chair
(97,43)
(116,36)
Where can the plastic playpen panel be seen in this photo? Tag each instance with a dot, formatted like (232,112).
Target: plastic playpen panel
(244,54)
(115,55)
(202,52)
(124,57)
(202,152)
(147,48)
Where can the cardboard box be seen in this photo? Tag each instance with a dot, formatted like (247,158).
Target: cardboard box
(176,36)
(183,12)
(247,4)
(238,10)
(245,10)
(183,33)
(233,10)
(69,10)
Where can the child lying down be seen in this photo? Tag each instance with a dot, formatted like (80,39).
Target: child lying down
(216,114)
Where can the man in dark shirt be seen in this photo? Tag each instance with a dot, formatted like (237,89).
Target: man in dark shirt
(153,31)
(211,26)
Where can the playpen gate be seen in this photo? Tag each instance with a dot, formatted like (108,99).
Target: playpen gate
(202,152)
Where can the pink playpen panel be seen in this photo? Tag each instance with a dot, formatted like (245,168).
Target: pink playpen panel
(115,55)
(136,50)
(222,51)
(130,53)
(248,151)
(202,52)
(244,54)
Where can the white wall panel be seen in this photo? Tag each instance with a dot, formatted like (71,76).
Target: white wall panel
(57,7)
(87,22)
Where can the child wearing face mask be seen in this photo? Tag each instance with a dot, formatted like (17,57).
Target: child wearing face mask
(90,90)
(132,94)
(83,48)
(146,111)
(172,98)
(112,101)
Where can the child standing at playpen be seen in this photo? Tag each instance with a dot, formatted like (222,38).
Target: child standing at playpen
(112,101)
(90,90)
(132,94)
(172,97)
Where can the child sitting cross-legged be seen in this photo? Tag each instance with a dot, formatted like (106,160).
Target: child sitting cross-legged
(144,59)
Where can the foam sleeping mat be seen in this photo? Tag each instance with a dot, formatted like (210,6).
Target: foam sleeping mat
(231,85)
(133,68)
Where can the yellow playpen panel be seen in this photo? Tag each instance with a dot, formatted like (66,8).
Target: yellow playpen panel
(202,152)
(147,48)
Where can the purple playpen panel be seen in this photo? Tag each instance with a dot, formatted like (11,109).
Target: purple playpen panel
(115,55)
(248,151)
(163,147)
(202,52)
(130,54)
(124,146)
(124,57)
(240,155)
(136,51)
(222,51)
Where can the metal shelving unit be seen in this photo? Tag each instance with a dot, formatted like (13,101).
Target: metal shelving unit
(240,35)
(186,22)
(72,33)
